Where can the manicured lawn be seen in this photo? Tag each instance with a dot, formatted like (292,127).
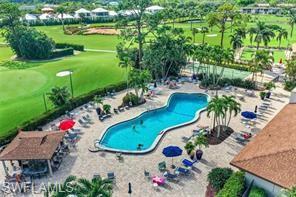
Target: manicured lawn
(277,54)
(22,90)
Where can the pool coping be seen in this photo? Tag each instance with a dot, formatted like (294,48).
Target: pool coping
(160,135)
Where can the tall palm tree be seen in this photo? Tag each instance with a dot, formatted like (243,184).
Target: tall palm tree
(217,107)
(95,187)
(194,32)
(282,33)
(263,33)
(236,41)
(261,61)
(232,106)
(204,30)
(61,10)
(292,21)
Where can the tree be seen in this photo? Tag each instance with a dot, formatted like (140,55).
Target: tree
(232,107)
(134,32)
(263,33)
(220,17)
(282,33)
(59,96)
(218,177)
(236,41)
(98,100)
(33,44)
(200,141)
(217,107)
(261,61)
(138,79)
(107,108)
(292,21)
(291,70)
(168,53)
(61,10)
(202,30)
(189,147)
(95,187)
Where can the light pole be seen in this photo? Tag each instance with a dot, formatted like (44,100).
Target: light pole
(71,84)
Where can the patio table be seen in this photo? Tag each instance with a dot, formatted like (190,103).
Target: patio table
(158,180)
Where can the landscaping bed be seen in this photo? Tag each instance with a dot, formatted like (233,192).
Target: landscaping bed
(224,134)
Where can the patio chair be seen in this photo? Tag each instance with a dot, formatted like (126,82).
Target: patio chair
(188,163)
(82,123)
(183,171)
(170,177)
(162,166)
(120,108)
(87,120)
(147,175)
(185,139)
(119,156)
(111,176)
(96,176)
(115,111)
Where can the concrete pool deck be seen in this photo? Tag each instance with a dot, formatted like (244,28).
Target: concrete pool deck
(83,163)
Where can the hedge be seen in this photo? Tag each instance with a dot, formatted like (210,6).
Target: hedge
(76,47)
(62,52)
(234,186)
(218,177)
(55,113)
(257,192)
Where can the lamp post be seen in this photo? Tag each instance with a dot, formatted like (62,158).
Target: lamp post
(71,84)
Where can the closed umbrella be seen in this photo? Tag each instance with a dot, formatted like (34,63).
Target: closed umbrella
(172,151)
(66,124)
(248,114)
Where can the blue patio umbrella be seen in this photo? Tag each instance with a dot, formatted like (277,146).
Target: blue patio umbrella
(248,114)
(172,151)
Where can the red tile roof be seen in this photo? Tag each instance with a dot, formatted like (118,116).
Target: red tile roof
(271,155)
(32,145)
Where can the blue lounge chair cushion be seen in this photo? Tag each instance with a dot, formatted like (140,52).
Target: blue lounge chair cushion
(188,163)
(183,170)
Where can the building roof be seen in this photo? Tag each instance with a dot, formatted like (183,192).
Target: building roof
(45,16)
(30,17)
(82,10)
(47,9)
(99,10)
(32,145)
(271,155)
(65,16)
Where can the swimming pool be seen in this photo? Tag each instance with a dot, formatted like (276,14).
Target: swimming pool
(148,128)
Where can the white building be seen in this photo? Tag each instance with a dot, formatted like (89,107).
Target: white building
(82,13)
(154,9)
(65,16)
(46,16)
(100,12)
(128,12)
(112,13)
(30,18)
(269,160)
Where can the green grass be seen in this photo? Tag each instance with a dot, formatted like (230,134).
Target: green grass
(21,98)
(277,54)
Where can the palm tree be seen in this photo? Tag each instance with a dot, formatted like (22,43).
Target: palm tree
(204,30)
(217,107)
(95,187)
(261,61)
(61,10)
(63,190)
(292,21)
(98,100)
(232,107)
(194,32)
(236,41)
(59,95)
(200,141)
(282,33)
(263,33)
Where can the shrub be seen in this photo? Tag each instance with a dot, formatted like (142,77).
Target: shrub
(237,82)
(218,177)
(257,192)
(34,44)
(234,186)
(62,52)
(130,97)
(290,85)
(76,47)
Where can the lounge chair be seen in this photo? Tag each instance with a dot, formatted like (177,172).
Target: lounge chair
(119,156)
(183,171)
(120,108)
(96,176)
(87,120)
(82,123)
(170,176)
(162,166)
(115,111)
(147,175)
(188,163)
(111,176)
(185,139)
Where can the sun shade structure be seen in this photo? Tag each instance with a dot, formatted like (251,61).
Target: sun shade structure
(271,155)
(66,124)
(32,145)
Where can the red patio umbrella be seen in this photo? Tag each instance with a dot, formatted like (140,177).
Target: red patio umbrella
(66,124)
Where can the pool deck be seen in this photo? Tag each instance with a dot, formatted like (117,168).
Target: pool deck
(83,163)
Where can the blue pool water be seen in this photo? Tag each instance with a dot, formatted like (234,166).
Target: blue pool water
(147,128)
